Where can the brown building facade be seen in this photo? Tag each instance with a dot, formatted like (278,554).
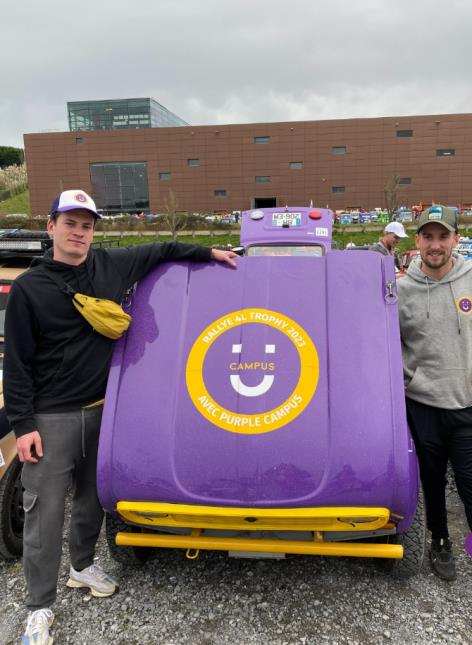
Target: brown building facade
(343,163)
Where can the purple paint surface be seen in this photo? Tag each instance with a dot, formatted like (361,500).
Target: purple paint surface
(468,544)
(349,446)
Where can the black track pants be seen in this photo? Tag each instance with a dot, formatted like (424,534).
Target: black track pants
(441,436)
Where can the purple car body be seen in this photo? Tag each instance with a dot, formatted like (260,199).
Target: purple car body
(267,398)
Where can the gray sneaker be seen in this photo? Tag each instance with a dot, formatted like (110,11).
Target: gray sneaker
(93,577)
(37,628)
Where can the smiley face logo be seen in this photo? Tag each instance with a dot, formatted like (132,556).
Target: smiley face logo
(464,304)
(80,197)
(253,390)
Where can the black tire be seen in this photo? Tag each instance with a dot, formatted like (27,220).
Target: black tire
(126,555)
(414,546)
(12,516)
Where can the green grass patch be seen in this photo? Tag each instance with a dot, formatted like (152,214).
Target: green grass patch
(204,240)
(18,204)
(359,238)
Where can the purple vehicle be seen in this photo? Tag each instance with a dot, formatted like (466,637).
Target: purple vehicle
(261,410)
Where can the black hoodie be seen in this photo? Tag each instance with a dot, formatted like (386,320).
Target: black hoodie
(54,360)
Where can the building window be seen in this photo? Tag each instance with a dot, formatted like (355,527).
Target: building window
(79,139)
(338,189)
(165,176)
(261,139)
(404,133)
(193,162)
(220,193)
(339,150)
(404,180)
(445,152)
(262,179)
(120,187)
(296,165)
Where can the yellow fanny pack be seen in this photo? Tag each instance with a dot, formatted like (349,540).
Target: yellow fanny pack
(105,316)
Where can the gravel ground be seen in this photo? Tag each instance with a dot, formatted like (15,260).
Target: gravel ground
(215,600)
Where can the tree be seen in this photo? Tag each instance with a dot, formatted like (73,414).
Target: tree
(391,193)
(10,156)
(174,220)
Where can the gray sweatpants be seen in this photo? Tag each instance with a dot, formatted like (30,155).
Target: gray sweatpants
(70,444)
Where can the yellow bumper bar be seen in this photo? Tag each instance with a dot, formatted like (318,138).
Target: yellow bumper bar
(210,543)
(339,518)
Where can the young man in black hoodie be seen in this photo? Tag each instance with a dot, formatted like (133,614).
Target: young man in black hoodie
(55,372)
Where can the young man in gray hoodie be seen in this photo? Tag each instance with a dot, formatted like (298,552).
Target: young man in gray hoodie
(435,303)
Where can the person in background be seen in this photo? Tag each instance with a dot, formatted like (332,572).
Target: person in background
(55,373)
(435,307)
(387,244)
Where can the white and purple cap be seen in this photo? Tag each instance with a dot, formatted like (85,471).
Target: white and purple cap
(70,200)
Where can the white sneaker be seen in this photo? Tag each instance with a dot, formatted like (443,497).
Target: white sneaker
(37,628)
(93,577)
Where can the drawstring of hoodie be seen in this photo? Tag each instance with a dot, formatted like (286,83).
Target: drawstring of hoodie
(427,299)
(454,297)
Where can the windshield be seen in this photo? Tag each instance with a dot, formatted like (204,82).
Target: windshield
(293,250)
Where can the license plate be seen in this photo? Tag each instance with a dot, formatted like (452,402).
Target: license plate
(287,219)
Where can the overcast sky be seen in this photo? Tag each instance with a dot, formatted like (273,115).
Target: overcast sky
(234,61)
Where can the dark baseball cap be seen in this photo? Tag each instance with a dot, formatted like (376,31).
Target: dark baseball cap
(437,214)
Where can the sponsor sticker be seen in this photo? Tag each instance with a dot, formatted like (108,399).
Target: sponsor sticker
(256,389)
(464,304)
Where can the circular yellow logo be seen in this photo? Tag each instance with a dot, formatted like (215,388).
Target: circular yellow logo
(464,304)
(277,416)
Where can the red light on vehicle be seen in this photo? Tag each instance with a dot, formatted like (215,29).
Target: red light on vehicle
(5,288)
(315,215)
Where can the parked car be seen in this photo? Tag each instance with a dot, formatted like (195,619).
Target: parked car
(17,247)
(11,503)
(382,216)
(256,435)
(406,259)
(228,219)
(345,218)
(355,216)
(465,247)
(404,216)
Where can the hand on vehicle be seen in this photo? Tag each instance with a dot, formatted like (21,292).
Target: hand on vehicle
(224,256)
(29,447)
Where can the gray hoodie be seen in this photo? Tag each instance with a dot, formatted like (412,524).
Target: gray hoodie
(436,331)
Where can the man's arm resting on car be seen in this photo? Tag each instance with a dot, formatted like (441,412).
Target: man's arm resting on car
(224,256)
